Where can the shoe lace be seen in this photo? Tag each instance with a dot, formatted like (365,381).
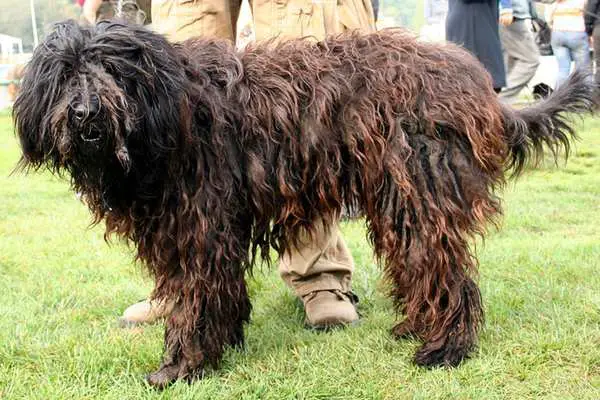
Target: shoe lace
(343,296)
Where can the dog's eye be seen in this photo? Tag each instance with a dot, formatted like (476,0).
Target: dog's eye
(91,135)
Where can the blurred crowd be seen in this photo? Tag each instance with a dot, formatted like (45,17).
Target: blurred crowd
(509,37)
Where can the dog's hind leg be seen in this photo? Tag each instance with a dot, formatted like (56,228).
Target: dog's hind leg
(420,226)
(442,306)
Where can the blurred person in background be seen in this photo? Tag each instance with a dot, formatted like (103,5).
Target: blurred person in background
(473,24)
(319,270)
(97,10)
(133,11)
(570,41)
(521,53)
(375,4)
(592,28)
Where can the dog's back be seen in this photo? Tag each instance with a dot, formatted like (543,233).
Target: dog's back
(335,122)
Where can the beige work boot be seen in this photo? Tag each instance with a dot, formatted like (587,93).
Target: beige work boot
(145,312)
(330,308)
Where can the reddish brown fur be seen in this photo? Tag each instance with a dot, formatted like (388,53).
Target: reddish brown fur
(204,156)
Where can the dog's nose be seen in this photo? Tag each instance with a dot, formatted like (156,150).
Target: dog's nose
(78,111)
(84,109)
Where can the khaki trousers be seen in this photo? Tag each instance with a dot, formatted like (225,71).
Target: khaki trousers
(182,19)
(356,14)
(323,263)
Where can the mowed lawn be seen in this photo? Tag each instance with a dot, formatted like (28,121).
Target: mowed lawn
(62,288)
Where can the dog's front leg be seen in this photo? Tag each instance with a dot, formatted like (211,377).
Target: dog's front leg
(211,308)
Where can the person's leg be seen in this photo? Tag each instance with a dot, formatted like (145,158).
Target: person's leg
(319,270)
(300,18)
(181,20)
(518,41)
(596,43)
(580,50)
(294,18)
(356,14)
(509,61)
(563,57)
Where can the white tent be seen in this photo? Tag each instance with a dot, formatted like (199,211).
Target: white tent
(10,45)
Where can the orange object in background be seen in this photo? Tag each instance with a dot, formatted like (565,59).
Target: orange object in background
(14,75)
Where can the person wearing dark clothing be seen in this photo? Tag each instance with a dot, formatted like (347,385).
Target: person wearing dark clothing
(375,4)
(592,28)
(474,25)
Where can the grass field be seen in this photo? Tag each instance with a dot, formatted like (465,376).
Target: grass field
(62,289)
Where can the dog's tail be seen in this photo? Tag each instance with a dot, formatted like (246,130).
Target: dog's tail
(548,122)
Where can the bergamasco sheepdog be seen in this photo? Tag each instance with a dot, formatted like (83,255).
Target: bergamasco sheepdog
(205,157)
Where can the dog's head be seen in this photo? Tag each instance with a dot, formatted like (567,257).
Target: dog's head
(93,98)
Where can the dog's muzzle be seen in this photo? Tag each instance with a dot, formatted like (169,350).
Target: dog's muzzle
(83,113)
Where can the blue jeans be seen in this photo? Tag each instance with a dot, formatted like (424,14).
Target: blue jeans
(568,47)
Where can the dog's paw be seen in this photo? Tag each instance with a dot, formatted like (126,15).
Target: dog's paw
(163,377)
(169,373)
(447,354)
(404,330)
(175,367)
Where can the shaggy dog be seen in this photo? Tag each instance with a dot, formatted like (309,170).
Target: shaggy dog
(206,157)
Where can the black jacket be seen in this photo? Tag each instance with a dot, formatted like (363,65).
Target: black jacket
(474,25)
(591,17)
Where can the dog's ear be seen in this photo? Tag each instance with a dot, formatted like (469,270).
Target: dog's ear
(42,89)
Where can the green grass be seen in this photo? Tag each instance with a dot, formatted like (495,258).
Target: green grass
(62,289)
